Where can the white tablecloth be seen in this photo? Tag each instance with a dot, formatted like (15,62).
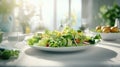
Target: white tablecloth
(104,54)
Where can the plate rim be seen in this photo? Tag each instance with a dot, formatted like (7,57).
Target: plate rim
(61,49)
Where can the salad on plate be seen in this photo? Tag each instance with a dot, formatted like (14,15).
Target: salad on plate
(68,37)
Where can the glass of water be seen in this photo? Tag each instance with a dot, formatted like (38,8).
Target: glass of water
(84,24)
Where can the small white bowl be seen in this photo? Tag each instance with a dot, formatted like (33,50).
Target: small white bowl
(110,36)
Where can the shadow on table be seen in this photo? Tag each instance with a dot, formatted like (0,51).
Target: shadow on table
(91,57)
(91,54)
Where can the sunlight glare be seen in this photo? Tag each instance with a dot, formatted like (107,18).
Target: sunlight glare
(34,2)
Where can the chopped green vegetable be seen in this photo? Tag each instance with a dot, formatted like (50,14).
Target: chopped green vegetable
(6,54)
(97,36)
(92,41)
(67,38)
(43,41)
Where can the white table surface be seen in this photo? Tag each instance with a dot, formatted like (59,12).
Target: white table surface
(104,54)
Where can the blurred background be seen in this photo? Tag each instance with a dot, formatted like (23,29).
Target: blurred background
(28,16)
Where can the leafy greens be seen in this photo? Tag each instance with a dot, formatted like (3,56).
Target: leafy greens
(66,38)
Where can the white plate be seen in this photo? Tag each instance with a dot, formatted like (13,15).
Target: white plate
(62,49)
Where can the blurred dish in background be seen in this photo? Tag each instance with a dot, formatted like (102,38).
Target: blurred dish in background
(110,36)
(16,36)
(108,32)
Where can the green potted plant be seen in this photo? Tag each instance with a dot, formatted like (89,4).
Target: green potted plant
(109,14)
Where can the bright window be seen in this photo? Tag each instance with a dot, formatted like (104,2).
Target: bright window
(47,14)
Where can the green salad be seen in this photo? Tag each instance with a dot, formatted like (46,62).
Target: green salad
(8,53)
(66,38)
